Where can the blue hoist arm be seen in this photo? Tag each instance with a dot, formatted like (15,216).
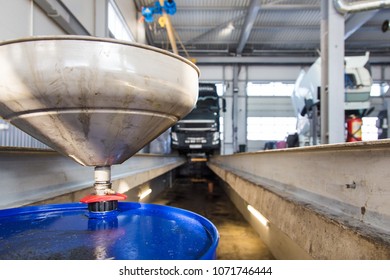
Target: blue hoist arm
(148,12)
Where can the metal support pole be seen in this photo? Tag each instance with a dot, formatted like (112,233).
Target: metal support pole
(324,73)
(235,108)
(314,124)
(336,73)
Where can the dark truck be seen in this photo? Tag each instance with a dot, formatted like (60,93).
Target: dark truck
(199,131)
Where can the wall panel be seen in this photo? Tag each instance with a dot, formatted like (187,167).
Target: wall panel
(84,11)
(15,19)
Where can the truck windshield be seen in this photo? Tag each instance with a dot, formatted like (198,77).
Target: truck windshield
(208,102)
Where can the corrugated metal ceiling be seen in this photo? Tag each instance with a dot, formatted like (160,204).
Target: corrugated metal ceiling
(280,28)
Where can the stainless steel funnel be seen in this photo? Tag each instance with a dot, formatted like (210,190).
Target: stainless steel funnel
(98,101)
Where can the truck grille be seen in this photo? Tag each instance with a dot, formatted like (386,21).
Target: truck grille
(195,140)
(196,126)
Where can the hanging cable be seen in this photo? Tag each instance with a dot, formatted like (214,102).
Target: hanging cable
(181,43)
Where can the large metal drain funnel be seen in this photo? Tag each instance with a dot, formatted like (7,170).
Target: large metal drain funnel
(98,101)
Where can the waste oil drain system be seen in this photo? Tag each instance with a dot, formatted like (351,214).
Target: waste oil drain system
(98,101)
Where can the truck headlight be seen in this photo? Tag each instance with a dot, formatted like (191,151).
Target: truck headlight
(174,136)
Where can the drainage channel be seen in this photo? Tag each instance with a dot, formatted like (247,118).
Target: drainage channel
(238,240)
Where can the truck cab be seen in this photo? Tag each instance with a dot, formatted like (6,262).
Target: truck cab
(199,131)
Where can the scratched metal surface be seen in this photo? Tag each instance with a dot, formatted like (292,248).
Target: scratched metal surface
(97,101)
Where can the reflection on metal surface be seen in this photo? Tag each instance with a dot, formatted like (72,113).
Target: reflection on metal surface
(98,101)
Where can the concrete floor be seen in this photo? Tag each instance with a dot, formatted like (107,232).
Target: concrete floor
(238,240)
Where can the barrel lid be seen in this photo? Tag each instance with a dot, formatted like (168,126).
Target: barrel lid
(134,231)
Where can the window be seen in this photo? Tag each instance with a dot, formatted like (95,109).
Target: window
(270,89)
(220,89)
(278,128)
(221,128)
(369,129)
(270,128)
(117,25)
(379,89)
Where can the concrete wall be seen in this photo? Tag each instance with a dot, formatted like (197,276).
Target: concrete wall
(84,11)
(321,198)
(22,18)
(31,176)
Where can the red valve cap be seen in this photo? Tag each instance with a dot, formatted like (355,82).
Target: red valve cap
(98,198)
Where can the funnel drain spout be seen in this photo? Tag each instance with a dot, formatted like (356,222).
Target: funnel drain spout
(104,199)
(103,180)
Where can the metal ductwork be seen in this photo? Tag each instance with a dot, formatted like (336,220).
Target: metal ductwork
(60,14)
(253,10)
(343,7)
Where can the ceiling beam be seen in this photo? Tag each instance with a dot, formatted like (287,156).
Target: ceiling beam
(250,18)
(268,7)
(262,27)
(282,60)
(271,60)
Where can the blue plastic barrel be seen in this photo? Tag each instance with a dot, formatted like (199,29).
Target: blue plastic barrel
(135,231)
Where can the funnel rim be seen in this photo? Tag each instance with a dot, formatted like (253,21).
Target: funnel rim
(86,110)
(98,39)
